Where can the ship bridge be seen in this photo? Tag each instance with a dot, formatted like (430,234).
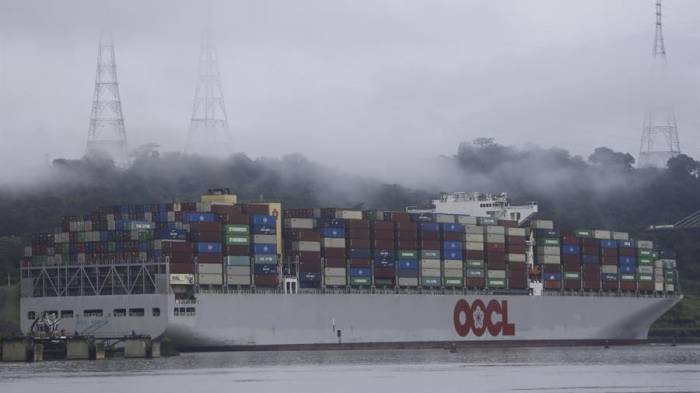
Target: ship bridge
(478,205)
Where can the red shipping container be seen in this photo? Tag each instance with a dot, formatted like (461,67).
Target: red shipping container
(397,216)
(610,286)
(517,266)
(610,261)
(406,226)
(646,286)
(472,254)
(235,219)
(182,268)
(357,234)
(357,243)
(571,259)
(571,266)
(552,285)
(205,227)
(237,250)
(384,272)
(588,242)
(333,252)
(266,281)
(515,249)
(206,237)
(406,245)
(628,252)
(475,282)
(381,243)
(572,285)
(551,268)
(383,225)
(357,224)
(569,240)
(188,206)
(252,208)
(335,262)
(383,235)
(404,235)
(359,263)
(495,247)
(306,235)
(175,247)
(226,209)
(608,252)
(435,236)
(628,286)
(310,266)
(306,255)
(497,264)
(515,240)
(593,285)
(508,223)
(210,258)
(453,236)
(590,250)
(429,245)
(495,256)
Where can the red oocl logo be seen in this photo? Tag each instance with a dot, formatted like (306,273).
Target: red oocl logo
(480,318)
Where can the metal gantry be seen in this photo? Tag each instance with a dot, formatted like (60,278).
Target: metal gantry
(659,140)
(107,135)
(209,132)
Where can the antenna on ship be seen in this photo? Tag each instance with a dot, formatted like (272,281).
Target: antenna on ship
(209,131)
(106,135)
(659,119)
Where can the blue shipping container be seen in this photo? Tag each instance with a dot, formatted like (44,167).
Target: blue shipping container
(208,248)
(309,276)
(429,227)
(608,243)
(263,219)
(408,264)
(628,268)
(452,254)
(172,234)
(330,223)
(384,263)
(422,217)
(452,227)
(627,244)
(569,249)
(628,260)
(265,269)
(333,232)
(359,253)
(264,248)
(552,276)
(360,272)
(408,272)
(264,229)
(198,217)
(383,253)
(446,245)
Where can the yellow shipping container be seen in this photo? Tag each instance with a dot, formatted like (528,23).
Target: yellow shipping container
(226,199)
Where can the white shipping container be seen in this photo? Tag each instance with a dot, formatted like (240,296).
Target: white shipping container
(474,229)
(430,263)
(336,280)
(265,239)
(496,273)
(210,268)
(238,271)
(659,286)
(306,246)
(348,214)
(335,271)
(238,280)
(549,250)
(453,264)
(515,257)
(467,220)
(474,246)
(27,251)
(445,218)
(454,273)
(645,244)
(550,259)
(602,234)
(608,269)
(542,224)
(299,223)
(494,230)
(476,238)
(408,281)
(209,279)
(658,263)
(430,272)
(515,232)
(646,269)
(621,236)
(494,238)
(182,279)
(330,242)
(670,288)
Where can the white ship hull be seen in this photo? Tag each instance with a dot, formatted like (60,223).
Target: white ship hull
(257,321)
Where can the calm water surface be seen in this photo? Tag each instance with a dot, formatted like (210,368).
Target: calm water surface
(590,369)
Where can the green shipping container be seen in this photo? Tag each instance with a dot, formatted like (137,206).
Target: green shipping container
(572,275)
(383,281)
(583,233)
(644,253)
(430,254)
(236,229)
(646,277)
(454,282)
(242,260)
(360,280)
(496,283)
(474,263)
(409,254)
(548,242)
(475,273)
(668,273)
(431,281)
(230,240)
(645,261)
(654,255)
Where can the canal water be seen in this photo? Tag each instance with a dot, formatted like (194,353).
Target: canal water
(648,368)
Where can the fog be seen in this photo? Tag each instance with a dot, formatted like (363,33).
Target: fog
(370,88)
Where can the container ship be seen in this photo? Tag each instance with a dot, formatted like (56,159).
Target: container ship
(466,269)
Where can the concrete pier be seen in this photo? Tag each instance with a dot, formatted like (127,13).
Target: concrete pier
(78,349)
(16,350)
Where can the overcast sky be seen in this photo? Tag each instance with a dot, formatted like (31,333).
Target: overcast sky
(354,84)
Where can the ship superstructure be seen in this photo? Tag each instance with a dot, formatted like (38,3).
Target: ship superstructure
(478,204)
